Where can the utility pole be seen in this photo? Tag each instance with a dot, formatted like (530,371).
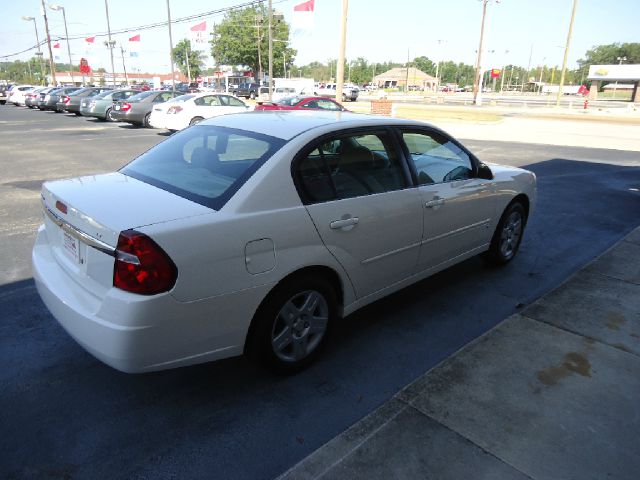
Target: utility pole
(341,50)
(270,50)
(406,90)
(477,85)
(186,56)
(173,72)
(46,28)
(126,78)
(111,43)
(566,52)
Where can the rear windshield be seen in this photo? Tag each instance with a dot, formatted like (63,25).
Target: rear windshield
(205,164)
(141,96)
(81,91)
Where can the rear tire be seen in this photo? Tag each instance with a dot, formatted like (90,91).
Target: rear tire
(145,121)
(508,235)
(292,324)
(195,120)
(108,116)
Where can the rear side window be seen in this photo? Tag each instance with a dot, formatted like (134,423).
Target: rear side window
(349,166)
(205,164)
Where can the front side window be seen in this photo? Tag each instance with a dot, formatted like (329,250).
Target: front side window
(349,166)
(436,158)
(205,164)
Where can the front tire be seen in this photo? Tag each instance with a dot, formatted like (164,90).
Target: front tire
(292,324)
(195,120)
(145,122)
(508,235)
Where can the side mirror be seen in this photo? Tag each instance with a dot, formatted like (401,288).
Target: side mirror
(484,171)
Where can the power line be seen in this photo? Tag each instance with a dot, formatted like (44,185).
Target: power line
(149,26)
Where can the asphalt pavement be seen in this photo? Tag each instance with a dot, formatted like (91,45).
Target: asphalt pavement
(549,393)
(65,415)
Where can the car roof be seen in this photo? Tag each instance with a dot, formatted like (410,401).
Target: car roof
(287,124)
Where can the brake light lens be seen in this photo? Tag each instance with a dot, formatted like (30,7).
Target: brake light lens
(66,100)
(176,109)
(125,107)
(142,266)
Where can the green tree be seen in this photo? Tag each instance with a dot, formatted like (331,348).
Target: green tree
(424,64)
(606,55)
(242,38)
(182,52)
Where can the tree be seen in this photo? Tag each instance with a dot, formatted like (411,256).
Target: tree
(607,55)
(182,52)
(242,38)
(425,65)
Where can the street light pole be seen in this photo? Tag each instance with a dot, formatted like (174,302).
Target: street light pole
(66,33)
(111,43)
(615,85)
(39,52)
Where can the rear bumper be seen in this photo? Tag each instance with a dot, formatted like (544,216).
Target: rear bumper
(134,333)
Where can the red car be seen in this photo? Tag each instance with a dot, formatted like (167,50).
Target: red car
(302,103)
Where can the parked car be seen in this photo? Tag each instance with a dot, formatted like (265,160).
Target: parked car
(32,96)
(247,90)
(192,108)
(49,101)
(18,92)
(137,109)
(71,102)
(101,106)
(4,93)
(349,92)
(301,103)
(256,232)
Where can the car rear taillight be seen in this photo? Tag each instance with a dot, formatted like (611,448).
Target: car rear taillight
(175,109)
(125,107)
(142,266)
(66,100)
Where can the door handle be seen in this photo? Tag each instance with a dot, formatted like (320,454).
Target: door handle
(436,202)
(345,222)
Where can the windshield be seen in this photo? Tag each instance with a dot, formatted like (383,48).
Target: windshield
(205,164)
(288,101)
(181,98)
(81,91)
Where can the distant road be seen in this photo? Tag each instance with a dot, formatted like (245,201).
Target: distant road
(502,100)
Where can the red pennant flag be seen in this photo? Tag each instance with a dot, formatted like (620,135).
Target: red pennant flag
(90,39)
(304,7)
(135,38)
(200,27)
(56,45)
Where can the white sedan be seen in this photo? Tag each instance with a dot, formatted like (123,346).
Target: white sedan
(254,233)
(192,108)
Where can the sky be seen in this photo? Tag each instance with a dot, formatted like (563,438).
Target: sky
(520,32)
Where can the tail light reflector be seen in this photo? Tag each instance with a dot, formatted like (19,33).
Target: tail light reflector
(176,109)
(66,100)
(125,107)
(142,266)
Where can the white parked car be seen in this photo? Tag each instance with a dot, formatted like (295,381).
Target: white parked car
(18,92)
(253,233)
(192,108)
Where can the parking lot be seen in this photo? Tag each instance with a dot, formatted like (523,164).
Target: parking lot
(65,415)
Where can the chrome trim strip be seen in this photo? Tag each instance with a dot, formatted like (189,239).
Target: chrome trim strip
(80,235)
(483,223)
(393,252)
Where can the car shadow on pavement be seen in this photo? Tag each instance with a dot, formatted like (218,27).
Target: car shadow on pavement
(194,419)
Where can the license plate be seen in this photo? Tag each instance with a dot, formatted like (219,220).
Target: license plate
(117,107)
(71,246)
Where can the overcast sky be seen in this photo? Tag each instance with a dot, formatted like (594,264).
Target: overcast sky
(379,30)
